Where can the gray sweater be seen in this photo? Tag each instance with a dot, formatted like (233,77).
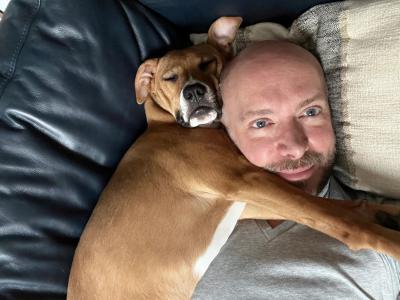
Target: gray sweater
(292,261)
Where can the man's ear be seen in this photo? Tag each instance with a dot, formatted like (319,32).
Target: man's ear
(144,76)
(222,33)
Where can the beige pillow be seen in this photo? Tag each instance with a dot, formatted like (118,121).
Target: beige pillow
(358,43)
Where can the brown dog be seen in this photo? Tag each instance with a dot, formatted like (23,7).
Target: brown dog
(173,201)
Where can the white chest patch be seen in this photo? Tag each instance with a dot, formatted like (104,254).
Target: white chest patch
(221,235)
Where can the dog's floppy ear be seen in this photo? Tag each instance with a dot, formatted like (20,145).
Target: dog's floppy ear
(144,76)
(222,33)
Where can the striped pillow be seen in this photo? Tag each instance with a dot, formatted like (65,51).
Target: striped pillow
(358,43)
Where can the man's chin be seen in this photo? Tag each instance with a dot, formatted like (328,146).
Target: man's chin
(308,180)
(300,184)
(315,184)
(305,186)
(310,173)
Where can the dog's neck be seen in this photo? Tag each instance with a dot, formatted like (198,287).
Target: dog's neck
(155,114)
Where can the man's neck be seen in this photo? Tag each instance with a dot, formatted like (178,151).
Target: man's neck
(274,223)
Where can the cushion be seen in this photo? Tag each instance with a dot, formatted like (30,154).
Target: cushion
(358,43)
(67,115)
(197,15)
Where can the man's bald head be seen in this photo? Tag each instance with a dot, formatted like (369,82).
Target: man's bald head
(272,56)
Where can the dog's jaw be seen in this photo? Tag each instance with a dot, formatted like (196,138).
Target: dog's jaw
(203,116)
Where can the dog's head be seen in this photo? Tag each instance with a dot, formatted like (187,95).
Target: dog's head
(185,82)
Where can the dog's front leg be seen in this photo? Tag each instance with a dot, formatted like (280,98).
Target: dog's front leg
(258,212)
(353,223)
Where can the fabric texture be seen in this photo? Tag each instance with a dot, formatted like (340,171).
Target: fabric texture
(292,261)
(358,43)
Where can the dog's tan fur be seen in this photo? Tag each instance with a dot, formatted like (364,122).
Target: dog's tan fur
(161,208)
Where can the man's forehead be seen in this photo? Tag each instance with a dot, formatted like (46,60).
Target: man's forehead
(273,56)
(258,79)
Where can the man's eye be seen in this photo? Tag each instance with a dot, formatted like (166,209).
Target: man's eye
(312,112)
(260,123)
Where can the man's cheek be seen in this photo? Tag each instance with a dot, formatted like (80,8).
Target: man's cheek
(255,149)
(322,141)
(255,153)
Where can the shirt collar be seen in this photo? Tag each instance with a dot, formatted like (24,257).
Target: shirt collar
(324,192)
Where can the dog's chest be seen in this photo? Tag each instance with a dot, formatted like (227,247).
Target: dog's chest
(221,235)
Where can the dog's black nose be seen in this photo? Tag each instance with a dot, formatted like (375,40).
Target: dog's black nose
(194,92)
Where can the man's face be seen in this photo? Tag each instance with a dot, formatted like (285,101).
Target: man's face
(276,112)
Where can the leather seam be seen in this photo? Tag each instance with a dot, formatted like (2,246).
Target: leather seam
(14,57)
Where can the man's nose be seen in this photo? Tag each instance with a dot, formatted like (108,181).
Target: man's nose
(292,141)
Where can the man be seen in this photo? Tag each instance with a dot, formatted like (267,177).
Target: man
(276,112)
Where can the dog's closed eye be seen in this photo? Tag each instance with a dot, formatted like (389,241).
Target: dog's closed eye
(172,77)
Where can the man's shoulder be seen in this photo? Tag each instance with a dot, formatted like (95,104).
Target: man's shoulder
(336,186)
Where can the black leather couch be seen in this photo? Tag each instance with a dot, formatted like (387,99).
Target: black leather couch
(68,114)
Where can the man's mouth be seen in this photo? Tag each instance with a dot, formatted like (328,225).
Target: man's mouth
(298,174)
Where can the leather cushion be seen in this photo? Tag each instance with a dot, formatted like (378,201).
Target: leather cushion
(67,115)
(197,15)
